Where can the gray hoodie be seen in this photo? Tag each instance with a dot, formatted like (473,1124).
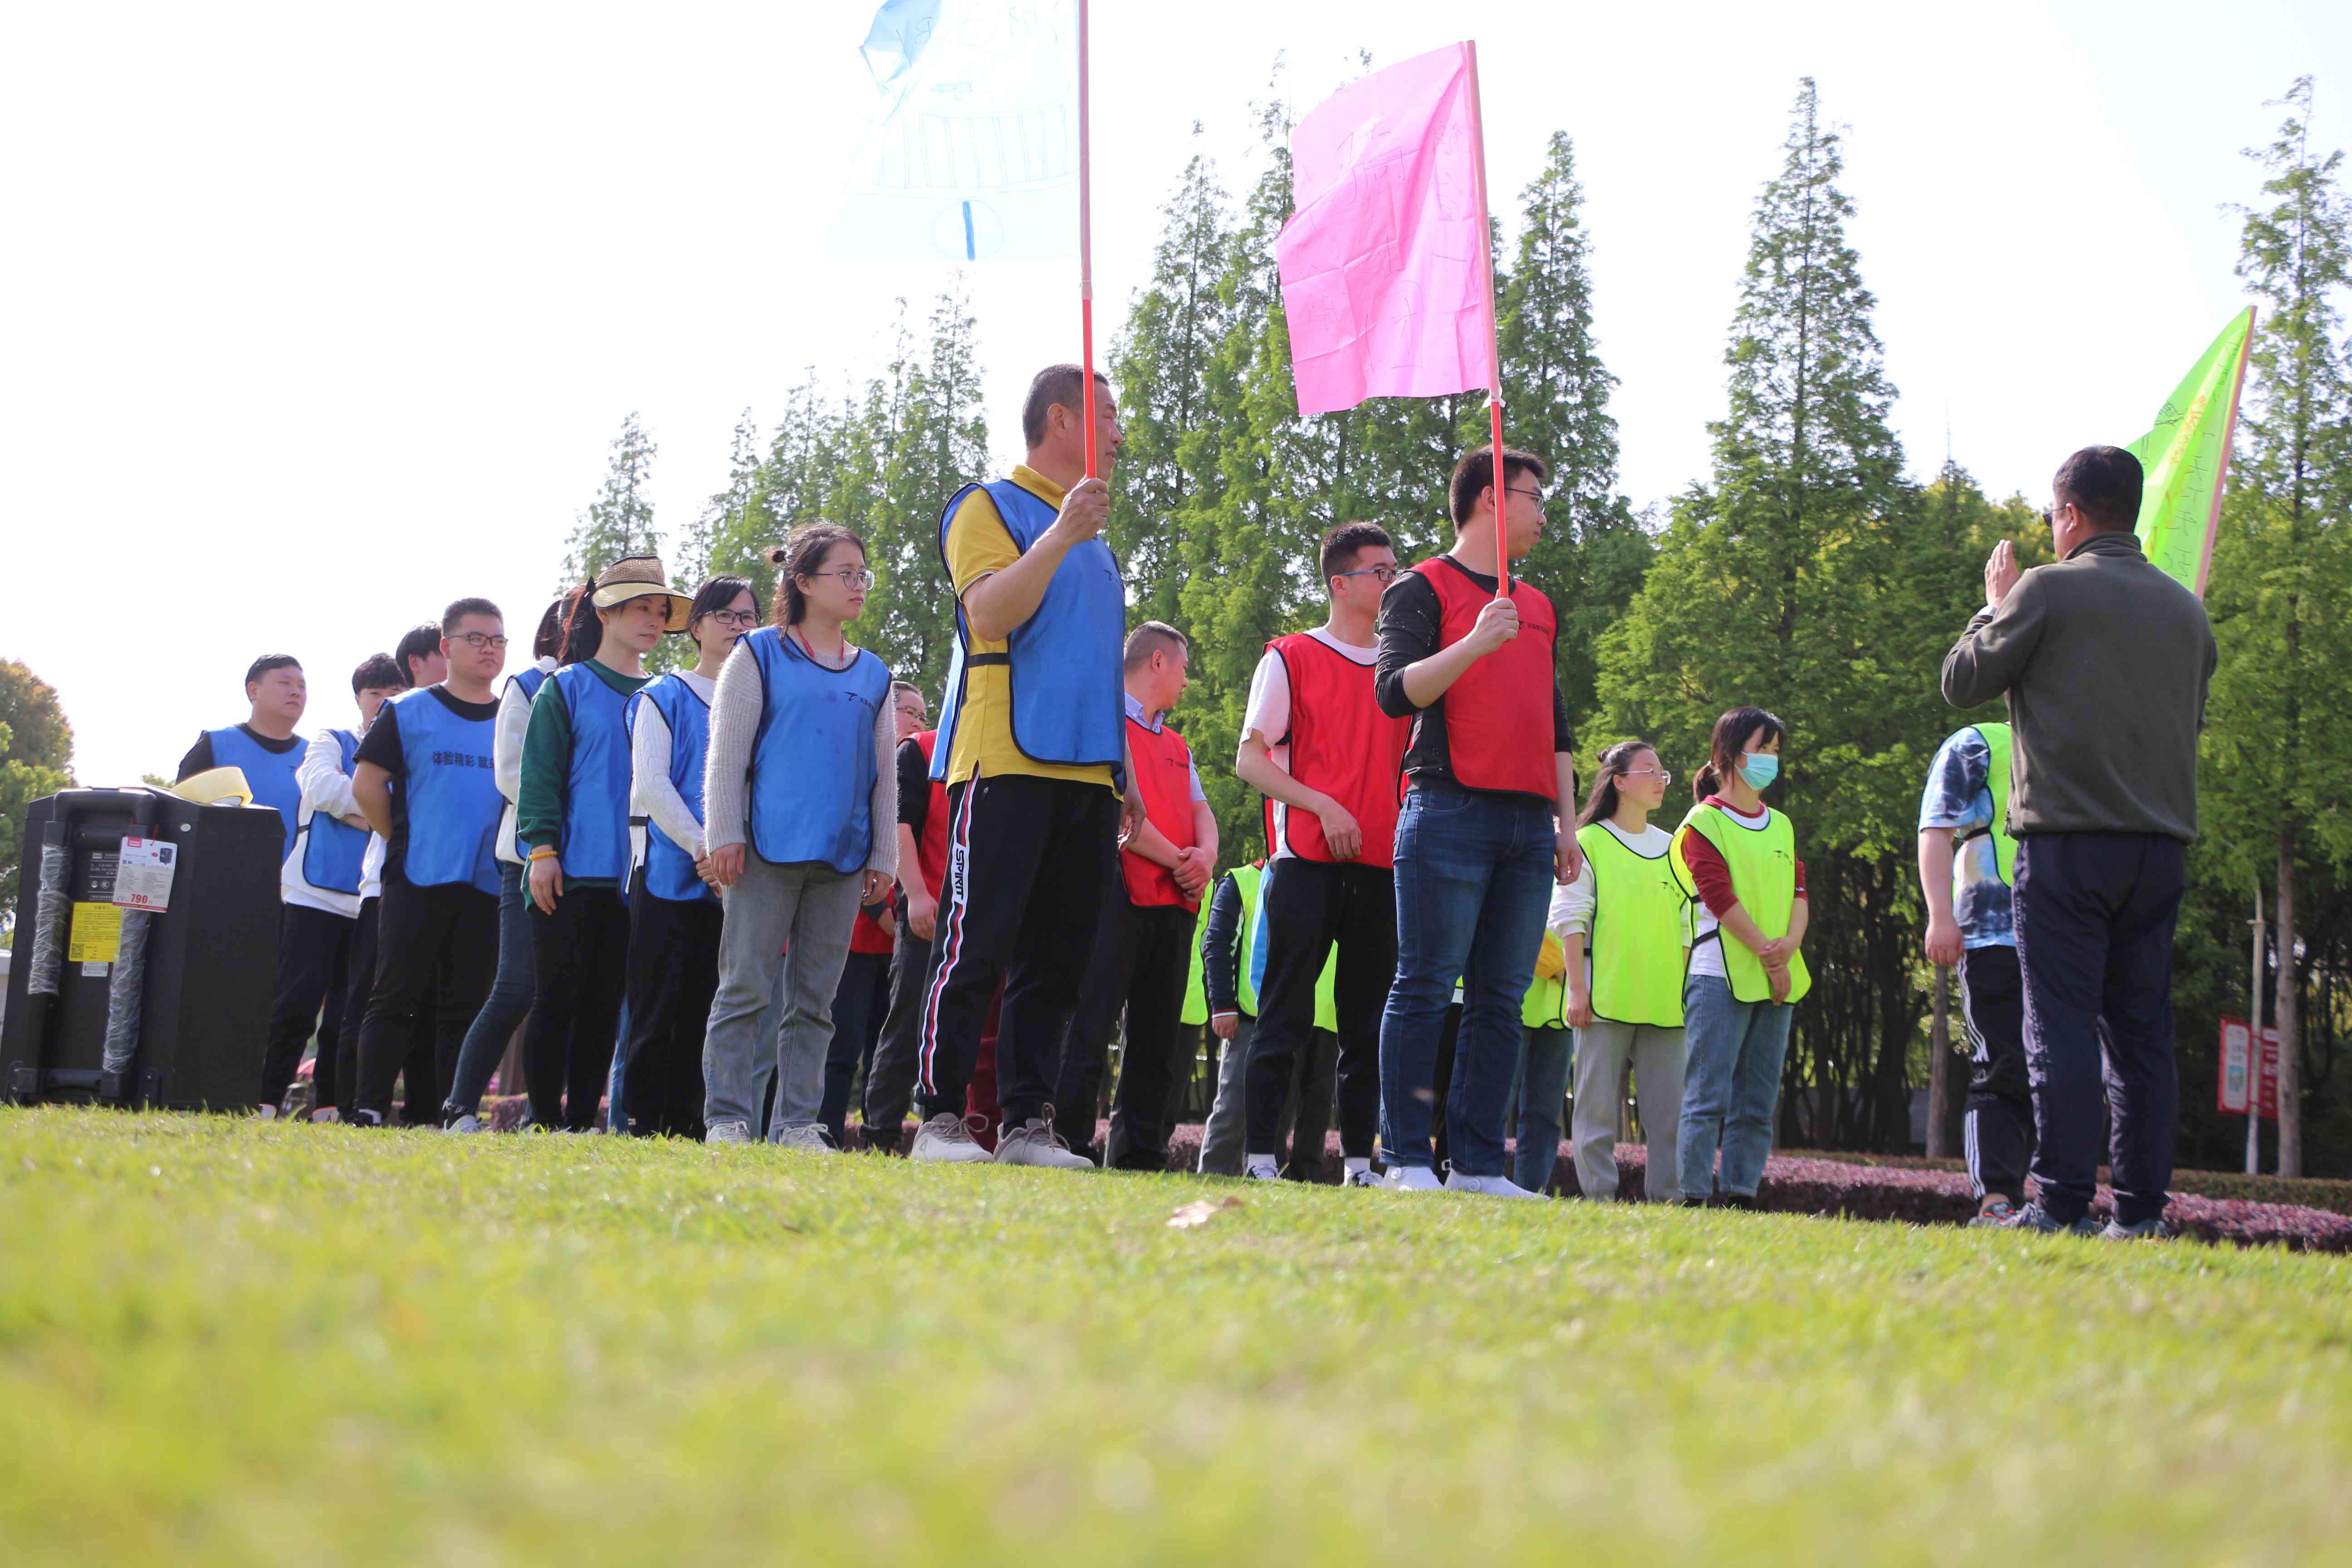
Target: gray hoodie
(2104,660)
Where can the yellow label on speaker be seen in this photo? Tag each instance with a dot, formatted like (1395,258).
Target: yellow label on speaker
(96,934)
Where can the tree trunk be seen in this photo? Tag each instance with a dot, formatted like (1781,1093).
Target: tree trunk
(1946,1085)
(2286,1013)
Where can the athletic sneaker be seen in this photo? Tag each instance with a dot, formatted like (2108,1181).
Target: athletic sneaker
(325,1114)
(1487,1187)
(1413,1179)
(469,1122)
(1997,1211)
(1035,1144)
(948,1139)
(727,1132)
(809,1139)
(1261,1174)
(1361,1179)
(2035,1217)
(2152,1229)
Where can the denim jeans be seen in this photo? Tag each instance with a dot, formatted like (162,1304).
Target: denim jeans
(1543,1090)
(504,1009)
(1473,876)
(1730,1087)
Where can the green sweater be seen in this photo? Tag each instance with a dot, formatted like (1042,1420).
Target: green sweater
(547,769)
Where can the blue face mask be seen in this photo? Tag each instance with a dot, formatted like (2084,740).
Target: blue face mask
(1759,769)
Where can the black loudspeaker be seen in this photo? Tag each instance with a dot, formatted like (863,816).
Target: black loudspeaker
(188,1000)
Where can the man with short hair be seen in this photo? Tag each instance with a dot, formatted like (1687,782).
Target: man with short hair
(1315,744)
(1144,947)
(319,892)
(263,746)
(419,655)
(2105,661)
(1487,827)
(1036,765)
(426,782)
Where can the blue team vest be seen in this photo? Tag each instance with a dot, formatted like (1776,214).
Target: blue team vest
(335,848)
(269,774)
(595,839)
(449,792)
(530,680)
(669,868)
(1069,696)
(811,782)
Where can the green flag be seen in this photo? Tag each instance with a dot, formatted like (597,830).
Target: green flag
(2187,456)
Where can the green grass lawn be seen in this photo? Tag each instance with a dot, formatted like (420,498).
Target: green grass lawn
(239,1343)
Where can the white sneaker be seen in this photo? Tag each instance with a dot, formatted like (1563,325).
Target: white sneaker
(1261,1174)
(1490,1186)
(809,1139)
(1363,1178)
(947,1138)
(466,1123)
(1413,1179)
(727,1132)
(1035,1144)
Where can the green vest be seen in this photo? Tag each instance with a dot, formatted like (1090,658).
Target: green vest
(1196,991)
(1640,941)
(1763,864)
(2004,847)
(1545,1007)
(1250,879)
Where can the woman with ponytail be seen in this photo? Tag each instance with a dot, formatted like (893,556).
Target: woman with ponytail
(573,817)
(800,803)
(1737,857)
(1625,936)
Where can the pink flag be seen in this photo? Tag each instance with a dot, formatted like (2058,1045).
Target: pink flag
(1386,278)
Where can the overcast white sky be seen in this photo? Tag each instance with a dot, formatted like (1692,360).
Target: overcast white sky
(315,317)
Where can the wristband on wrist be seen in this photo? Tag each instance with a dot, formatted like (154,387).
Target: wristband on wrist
(542,851)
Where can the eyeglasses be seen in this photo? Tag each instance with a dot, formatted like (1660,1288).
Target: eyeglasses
(1664,775)
(852,577)
(481,642)
(733,617)
(1535,496)
(1384,575)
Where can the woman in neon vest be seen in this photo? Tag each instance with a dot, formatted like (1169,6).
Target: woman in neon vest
(673,911)
(800,803)
(573,813)
(1738,858)
(1625,933)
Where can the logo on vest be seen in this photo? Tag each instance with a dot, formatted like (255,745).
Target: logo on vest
(459,759)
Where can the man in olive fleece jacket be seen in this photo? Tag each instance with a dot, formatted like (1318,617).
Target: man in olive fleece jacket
(2105,661)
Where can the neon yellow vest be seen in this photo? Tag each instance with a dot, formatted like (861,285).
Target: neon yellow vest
(1763,865)
(1545,1007)
(2004,847)
(1640,937)
(1196,991)
(1251,879)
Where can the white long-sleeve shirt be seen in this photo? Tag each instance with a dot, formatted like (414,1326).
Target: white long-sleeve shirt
(506,757)
(735,708)
(325,788)
(651,793)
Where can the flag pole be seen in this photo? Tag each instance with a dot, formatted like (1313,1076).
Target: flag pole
(1085,246)
(2221,468)
(1494,350)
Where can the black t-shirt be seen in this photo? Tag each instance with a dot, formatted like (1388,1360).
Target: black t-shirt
(1410,614)
(914,788)
(380,745)
(199,758)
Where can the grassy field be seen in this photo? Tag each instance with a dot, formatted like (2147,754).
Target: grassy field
(238,1343)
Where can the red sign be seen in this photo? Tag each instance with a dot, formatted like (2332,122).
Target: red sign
(2241,1072)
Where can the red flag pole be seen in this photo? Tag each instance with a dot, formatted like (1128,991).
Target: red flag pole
(1085,244)
(1494,350)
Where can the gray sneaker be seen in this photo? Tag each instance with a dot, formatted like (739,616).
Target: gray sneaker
(466,1123)
(809,1139)
(1488,1186)
(946,1139)
(2151,1229)
(727,1132)
(1035,1144)
(1995,1213)
(2035,1217)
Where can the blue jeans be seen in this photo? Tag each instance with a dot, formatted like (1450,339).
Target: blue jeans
(1543,1090)
(1730,1086)
(1473,876)
(503,1010)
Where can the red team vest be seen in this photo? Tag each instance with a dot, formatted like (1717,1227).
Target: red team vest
(1341,745)
(1163,777)
(931,848)
(1498,715)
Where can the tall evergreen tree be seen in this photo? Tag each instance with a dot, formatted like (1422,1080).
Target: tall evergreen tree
(2281,586)
(723,515)
(620,520)
(35,760)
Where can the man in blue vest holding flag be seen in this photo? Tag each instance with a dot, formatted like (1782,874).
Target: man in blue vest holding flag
(1033,751)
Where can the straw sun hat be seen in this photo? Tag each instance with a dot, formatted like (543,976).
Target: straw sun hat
(638,578)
